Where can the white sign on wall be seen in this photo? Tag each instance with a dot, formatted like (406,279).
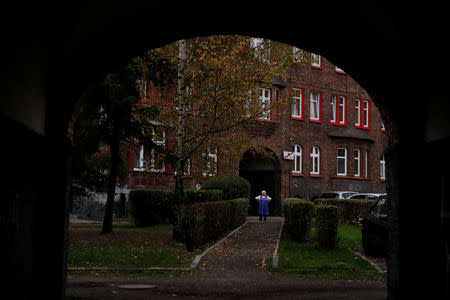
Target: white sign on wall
(288,155)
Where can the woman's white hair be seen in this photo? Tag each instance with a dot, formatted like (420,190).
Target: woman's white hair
(263,191)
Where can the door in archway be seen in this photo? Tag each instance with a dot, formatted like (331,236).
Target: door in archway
(263,174)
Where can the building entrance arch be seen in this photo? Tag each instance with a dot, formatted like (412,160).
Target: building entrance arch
(263,173)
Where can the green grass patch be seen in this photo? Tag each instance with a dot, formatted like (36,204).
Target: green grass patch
(127,247)
(307,260)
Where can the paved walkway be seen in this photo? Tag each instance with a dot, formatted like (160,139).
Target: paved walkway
(233,270)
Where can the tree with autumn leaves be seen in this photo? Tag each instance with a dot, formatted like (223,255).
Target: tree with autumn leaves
(216,91)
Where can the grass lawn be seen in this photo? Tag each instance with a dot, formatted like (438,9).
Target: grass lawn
(306,260)
(127,248)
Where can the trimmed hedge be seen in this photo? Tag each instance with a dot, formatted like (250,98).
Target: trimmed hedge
(203,222)
(351,209)
(233,186)
(327,220)
(297,215)
(197,196)
(151,207)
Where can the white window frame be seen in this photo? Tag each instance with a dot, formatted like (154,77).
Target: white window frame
(212,157)
(333,109)
(341,104)
(366,164)
(295,53)
(297,159)
(161,142)
(357,162)
(382,126)
(365,111)
(315,160)
(297,103)
(358,112)
(314,109)
(316,60)
(256,44)
(141,161)
(339,158)
(265,102)
(382,167)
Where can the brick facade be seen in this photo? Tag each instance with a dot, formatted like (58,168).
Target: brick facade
(285,131)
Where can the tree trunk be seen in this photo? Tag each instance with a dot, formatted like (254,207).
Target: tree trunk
(109,207)
(181,127)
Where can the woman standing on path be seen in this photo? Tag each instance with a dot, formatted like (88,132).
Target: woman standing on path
(263,209)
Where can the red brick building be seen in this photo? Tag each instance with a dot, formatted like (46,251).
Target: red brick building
(330,138)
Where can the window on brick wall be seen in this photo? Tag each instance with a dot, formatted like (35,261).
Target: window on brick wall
(152,160)
(297,159)
(314,107)
(338,110)
(210,159)
(297,103)
(261,48)
(341,161)
(382,167)
(357,162)
(316,61)
(315,160)
(265,99)
(366,164)
(362,115)
(297,54)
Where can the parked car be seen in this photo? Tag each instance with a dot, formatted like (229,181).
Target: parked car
(375,229)
(369,196)
(337,195)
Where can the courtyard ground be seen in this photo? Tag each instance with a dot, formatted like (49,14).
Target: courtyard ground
(235,269)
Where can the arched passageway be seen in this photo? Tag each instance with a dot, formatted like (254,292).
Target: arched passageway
(263,173)
(55,52)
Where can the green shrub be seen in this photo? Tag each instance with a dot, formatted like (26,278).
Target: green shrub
(351,209)
(197,196)
(327,220)
(297,215)
(239,212)
(151,207)
(203,222)
(233,186)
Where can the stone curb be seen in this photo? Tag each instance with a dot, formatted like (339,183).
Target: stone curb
(275,253)
(198,258)
(370,262)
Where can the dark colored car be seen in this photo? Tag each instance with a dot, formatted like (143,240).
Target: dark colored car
(375,229)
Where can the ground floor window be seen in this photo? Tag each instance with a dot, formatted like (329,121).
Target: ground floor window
(315,160)
(341,161)
(382,168)
(297,159)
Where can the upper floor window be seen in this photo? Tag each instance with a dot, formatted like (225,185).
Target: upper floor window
(362,116)
(316,61)
(341,161)
(297,103)
(314,107)
(297,54)
(297,159)
(151,160)
(265,99)
(339,110)
(261,48)
(382,168)
(210,168)
(315,160)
